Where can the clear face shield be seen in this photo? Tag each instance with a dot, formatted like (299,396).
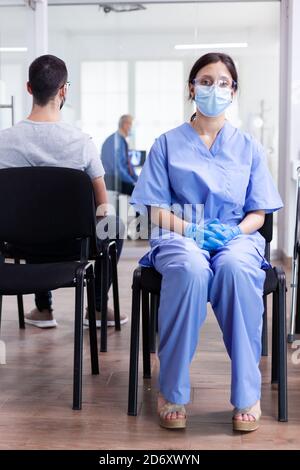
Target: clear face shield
(207,82)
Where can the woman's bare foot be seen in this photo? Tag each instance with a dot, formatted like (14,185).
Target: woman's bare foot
(246,416)
(247,419)
(171,415)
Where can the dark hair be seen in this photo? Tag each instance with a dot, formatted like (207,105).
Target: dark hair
(213,58)
(47,74)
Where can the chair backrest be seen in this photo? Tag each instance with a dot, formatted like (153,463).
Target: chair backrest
(267,229)
(45,205)
(267,232)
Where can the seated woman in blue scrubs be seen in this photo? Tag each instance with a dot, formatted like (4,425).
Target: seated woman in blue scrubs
(217,257)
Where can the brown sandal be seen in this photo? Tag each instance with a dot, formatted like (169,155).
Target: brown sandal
(177,423)
(239,425)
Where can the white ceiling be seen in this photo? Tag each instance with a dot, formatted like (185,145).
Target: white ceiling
(166,17)
(178,18)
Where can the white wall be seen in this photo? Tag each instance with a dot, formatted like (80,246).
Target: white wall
(289,119)
(258,71)
(16,25)
(258,65)
(258,68)
(260,60)
(260,82)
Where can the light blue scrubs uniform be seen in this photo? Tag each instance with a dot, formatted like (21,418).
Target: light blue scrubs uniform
(230,179)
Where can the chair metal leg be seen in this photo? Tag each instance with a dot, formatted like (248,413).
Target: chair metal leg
(153,321)
(264,335)
(158,302)
(134,343)
(275,314)
(20,306)
(0,309)
(297,318)
(114,274)
(146,335)
(295,291)
(2,260)
(104,292)
(282,347)
(78,341)
(21,312)
(92,320)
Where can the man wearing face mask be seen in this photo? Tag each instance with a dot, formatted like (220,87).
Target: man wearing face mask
(119,173)
(44,140)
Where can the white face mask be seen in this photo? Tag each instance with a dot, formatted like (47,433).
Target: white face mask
(212,101)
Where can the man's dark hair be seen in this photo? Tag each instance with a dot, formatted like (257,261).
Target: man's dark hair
(47,74)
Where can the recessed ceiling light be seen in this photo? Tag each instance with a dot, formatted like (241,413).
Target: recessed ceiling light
(13,49)
(217,45)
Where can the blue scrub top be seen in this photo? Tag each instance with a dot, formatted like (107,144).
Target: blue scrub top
(229,179)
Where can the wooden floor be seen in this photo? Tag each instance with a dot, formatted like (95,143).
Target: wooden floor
(36,391)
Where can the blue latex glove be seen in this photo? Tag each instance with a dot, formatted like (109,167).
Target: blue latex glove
(216,226)
(231,233)
(195,232)
(204,237)
(212,244)
(220,235)
(214,237)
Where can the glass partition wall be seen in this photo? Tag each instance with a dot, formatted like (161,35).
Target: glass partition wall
(15,55)
(137,62)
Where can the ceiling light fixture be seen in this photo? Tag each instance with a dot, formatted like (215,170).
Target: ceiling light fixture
(13,49)
(121,8)
(217,45)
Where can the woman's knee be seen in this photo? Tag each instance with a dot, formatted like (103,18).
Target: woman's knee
(230,264)
(189,269)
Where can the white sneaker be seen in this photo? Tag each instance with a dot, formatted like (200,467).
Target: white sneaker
(43,319)
(110,318)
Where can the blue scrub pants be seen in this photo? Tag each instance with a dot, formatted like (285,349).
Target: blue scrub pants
(232,281)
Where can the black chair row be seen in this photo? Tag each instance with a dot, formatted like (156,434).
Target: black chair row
(147,282)
(42,208)
(108,260)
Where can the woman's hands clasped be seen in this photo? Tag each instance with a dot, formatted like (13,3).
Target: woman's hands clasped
(213,235)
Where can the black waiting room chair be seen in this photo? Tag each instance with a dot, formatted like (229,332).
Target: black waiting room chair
(107,256)
(147,282)
(39,207)
(108,260)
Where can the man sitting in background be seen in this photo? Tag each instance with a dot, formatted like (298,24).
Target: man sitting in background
(44,140)
(119,173)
